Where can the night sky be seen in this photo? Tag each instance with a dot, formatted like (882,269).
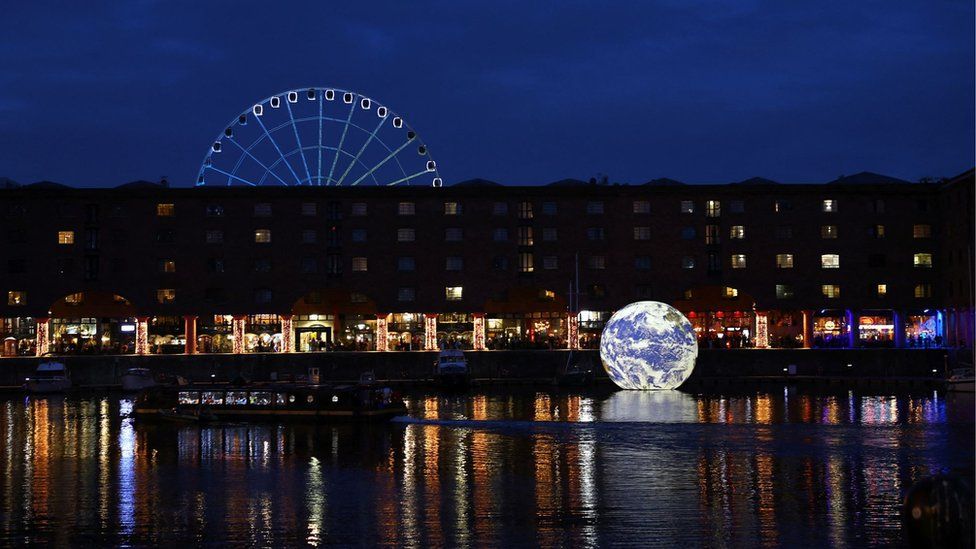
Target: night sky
(703,91)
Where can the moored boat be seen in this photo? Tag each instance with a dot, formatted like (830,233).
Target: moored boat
(961,380)
(451,369)
(137,379)
(50,377)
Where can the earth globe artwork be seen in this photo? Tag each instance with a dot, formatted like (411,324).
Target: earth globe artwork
(648,345)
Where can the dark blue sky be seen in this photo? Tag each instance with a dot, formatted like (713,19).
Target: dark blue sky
(517,92)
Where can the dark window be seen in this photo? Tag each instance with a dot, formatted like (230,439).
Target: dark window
(166,236)
(333,264)
(215,210)
(91,267)
(216,265)
(65,265)
(262,265)
(333,238)
(17,236)
(309,265)
(91,213)
(16,266)
(642,263)
(643,291)
(118,264)
(596,291)
(214,295)
(499,263)
(714,263)
(784,232)
(876,260)
(334,211)
(91,239)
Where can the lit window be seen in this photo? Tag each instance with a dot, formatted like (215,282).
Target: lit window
(215,236)
(738,261)
(525,210)
(830,291)
(359,235)
(526,262)
(359,264)
(453,234)
(642,263)
(711,234)
(358,209)
(406,235)
(66,237)
(550,262)
(309,208)
(525,236)
(687,262)
(737,206)
(262,236)
(784,291)
(406,294)
(452,208)
(594,233)
(642,233)
(923,261)
(737,232)
(165,296)
(16,297)
(828,231)
(594,207)
(262,209)
(406,208)
(687,207)
(549,208)
(309,236)
(165,210)
(922,231)
(923,290)
(74,299)
(882,290)
(730,292)
(597,262)
(550,234)
(453,293)
(499,235)
(642,207)
(453,263)
(829,205)
(499,208)
(784,261)
(167,266)
(782,205)
(406,264)
(830,261)
(877,231)
(713,208)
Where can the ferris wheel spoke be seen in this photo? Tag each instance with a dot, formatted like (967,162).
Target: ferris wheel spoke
(277,148)
(352,109)
(408,178)
(321,102)
(247,152)
(232,176)
(384,161)
(298,140)
(361,149)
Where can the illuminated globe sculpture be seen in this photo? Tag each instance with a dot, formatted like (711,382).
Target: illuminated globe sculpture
(648,345)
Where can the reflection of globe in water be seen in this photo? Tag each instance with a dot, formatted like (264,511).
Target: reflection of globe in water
(648,345)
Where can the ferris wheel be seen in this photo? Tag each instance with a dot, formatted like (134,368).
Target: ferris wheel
(318,137)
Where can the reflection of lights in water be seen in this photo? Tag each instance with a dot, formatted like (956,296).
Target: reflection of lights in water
(653,406)
(586,410)
(127,484)
(542,407)
(836,503)
(461,495)
(431,407)
(408,496)
(315,500)
(587,481)
(764,409)
(104,463)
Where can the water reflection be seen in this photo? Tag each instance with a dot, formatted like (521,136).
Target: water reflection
(504,468)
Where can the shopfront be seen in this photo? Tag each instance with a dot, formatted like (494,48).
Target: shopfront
(785,329)
(19,336)
(215,334)
(830,329)
(405,332)
(92,335)
(166,335)
(923,329)
(262,333)
(876,329)
(314,332)
(358,333)
(723,329)
(455,331)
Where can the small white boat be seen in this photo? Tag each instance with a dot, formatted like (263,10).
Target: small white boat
(961,380)
(451,368)
(137,379)
(50,377)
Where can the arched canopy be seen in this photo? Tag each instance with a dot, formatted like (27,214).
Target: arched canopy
(527,299)
(328,300)
(93,303)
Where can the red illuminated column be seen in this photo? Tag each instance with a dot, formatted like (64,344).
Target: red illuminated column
(287,335)
(382,333)
(142,335)
(42,329)
(190,332)
(572,330)
(762,330)
(478,320)
(430,332)
(237,326)
(807,329)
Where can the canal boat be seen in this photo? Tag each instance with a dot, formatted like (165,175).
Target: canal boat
(270,401)
(50,377)
(451,369)
(961,380)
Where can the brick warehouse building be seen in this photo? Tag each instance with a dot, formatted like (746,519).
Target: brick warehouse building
(145,268)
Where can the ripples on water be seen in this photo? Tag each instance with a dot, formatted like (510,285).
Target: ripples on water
(498,468)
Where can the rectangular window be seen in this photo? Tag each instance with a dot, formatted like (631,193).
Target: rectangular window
(262,236)
(165,210)
(499,263)
(828,231)
(737,206)
(16,266)
(16,297)
(782,205)
(923,290)
(333,264)
(452,208)
(216,265)
(784,291)
(642,233)
(878,205)
(784,261)
(214,210)
(687,206)
(333,211)
(784,232)
(596,262)
(738,261)
(499,208)
(165,296)
(453,234)
(737,232)
(359,264)
(453,293)
(406,235)
(309,265)
(882,290)
(262,265)
(688,233)
(711,234)
(594,207)
(830,261)
(263,295)
(921,231)
(91,239)
(166,236)
(406,208)
(358,209)
(923,261)
(333,237)
(687,262)
(829,205)
(729,292)
(525,210)
(309,208)
(642,263)
(309,236)
(525,236)
(713,208)
(262,209)
(91,267)
(549,208)
(877,231)
(359,235)
(167,266)
(66,237)
(550,234)
(453,263)
(406,294)
(594,233)
(214,236)
(406,264)
(499,235)
(830,291)
(642,207)
(550,262)
(526,263)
